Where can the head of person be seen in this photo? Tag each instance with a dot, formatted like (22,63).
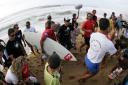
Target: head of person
(74,15)
(17,65)
(104,24)
(113,13)
(49,17)
(120,16)
(1,51)
(54,61)
(125,53)
(11,34)
(105,15)
(66,21)
(28,24)
(89,16)
(16,27)
(93,12)
(48,25)
(113,17)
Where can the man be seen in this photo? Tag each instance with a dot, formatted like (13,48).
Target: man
(105,15)
(13,47)
(100,45)
(94,17)
(48,32)
(29,28)
(88,28)
(119,25)
(49,19)
(64,34)
(18,34)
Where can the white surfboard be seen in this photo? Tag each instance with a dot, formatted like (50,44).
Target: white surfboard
(33,38)
(49,46)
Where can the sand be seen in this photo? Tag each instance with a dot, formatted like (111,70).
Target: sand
(74,68)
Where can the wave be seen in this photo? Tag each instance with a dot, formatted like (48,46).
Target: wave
(33,12)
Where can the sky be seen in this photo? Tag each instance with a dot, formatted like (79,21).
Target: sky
(8,7)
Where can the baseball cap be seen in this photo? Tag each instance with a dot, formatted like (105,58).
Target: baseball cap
(67,19)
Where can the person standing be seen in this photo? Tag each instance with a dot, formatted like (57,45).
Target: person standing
(29,28)
(18,34)
(100,45)
(64,34)
(51,71)
(13,47)
(88,28)
(94,17)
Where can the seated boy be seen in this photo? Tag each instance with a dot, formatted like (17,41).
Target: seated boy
(121,66)
(51,71)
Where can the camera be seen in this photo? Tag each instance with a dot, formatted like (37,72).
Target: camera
(125,24)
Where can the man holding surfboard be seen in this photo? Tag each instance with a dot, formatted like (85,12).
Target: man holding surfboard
(47,33)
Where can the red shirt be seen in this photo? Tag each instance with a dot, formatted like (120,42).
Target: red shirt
(48,33)
(88,25)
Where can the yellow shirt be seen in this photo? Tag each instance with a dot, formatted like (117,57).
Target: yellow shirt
(51,79)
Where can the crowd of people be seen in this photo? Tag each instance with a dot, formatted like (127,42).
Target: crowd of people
(102,37)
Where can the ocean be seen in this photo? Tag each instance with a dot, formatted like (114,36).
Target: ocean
(36,11)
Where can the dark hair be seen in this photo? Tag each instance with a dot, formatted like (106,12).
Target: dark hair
(113,13)
(105,14)
(49,17)
(125,54)
(121,43)
(74,14)
(1,47)
(15,25)
(93,10)
(104,24)
(54,61)
(10,30)
(28,22)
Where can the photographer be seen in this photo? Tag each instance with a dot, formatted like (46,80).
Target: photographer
(125,29)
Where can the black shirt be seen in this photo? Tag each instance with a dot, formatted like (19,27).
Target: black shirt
(14,48)
(19,36)
(64,32)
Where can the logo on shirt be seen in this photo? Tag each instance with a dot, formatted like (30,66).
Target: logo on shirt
(16,45)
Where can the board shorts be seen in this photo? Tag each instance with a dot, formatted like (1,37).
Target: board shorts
(91,67)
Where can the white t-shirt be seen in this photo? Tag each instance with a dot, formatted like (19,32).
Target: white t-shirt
(11,77)
(99,46)
(31,29)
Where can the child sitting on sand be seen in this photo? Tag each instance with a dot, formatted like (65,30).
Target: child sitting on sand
(121,66)
(51,71)
(121,45)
